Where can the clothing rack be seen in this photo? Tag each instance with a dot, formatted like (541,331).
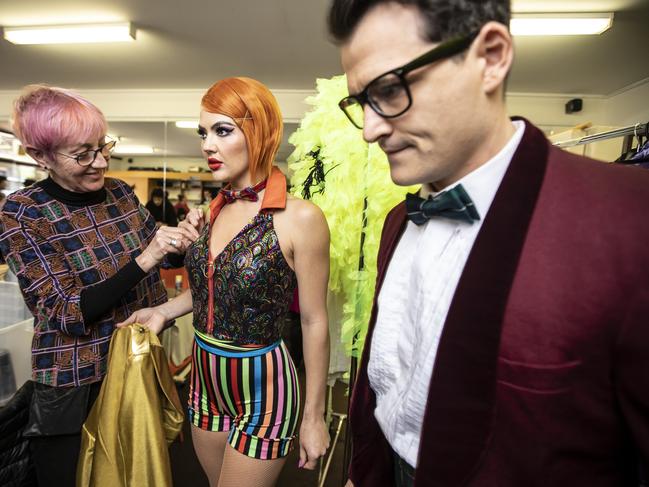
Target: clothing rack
(639,129)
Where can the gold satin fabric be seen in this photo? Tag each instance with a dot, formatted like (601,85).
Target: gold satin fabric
(124,441)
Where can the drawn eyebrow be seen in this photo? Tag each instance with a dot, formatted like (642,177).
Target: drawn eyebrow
(219,124)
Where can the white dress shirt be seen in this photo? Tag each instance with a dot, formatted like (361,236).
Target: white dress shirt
(413,304)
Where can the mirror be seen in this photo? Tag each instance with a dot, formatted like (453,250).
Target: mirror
(17,167)
(173,162)
(152,155)
(149,155)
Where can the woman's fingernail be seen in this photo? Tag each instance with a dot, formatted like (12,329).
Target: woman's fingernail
(300,464)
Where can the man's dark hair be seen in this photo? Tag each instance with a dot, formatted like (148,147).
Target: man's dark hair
(445,19)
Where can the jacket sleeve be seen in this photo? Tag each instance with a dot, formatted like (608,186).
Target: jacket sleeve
(99,298)
(46,280)
(631,371)
(371,462)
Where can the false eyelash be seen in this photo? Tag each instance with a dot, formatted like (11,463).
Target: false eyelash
(224,129)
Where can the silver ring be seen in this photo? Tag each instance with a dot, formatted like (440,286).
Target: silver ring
(173,242)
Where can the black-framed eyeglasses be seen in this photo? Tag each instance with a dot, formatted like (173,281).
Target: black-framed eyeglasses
(389,94)
(87,157)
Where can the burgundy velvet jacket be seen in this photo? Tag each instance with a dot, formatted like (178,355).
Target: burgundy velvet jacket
(542,372)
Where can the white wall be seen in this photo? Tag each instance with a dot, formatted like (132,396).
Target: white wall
(548,109)
(629,106)
(158,105)
(622,108)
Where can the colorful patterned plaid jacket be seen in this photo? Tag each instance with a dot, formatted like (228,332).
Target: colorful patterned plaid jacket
(56,249)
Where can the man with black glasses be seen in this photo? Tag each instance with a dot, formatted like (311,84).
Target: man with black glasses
(509,341)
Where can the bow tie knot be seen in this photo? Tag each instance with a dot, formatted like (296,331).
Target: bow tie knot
(454,203)
(249,193)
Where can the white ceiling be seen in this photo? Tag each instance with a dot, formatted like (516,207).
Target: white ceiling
(283,43)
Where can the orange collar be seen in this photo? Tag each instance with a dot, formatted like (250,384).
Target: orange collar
(274,195)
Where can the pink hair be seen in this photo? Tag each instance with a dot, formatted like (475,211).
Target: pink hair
(46,118)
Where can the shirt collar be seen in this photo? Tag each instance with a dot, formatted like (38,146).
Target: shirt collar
(482,183)
(274,195)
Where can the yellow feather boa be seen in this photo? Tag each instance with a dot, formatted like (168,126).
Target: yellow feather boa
(354,171)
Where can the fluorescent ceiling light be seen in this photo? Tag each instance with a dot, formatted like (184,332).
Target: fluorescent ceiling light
(133,149)
(563,24)
(70,34)
(187,124)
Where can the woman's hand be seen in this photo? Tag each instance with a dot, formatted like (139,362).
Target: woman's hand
(314,441)
(169,240)
(193,223)
(152,318)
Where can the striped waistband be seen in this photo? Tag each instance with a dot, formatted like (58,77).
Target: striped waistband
(229,349)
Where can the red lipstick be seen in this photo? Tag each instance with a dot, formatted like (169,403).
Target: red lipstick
(214,164)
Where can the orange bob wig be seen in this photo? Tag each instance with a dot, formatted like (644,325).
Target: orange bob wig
(255,110)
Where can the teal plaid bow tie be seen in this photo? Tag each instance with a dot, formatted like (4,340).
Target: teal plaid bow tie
(454,203)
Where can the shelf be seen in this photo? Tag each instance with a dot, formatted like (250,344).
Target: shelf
(183,176)
(143,182)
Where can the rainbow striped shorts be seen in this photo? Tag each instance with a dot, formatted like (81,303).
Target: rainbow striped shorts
(251,392)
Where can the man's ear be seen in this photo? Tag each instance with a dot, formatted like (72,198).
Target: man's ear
(497,50)
(39,156)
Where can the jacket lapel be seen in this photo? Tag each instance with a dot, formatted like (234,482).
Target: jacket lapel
(376,469)
(461,398)
(363,399)
(395,224)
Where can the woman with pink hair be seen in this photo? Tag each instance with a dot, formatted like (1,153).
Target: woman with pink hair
(85,252)
(243,267)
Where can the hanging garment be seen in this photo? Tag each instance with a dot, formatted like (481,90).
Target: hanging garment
(642,154)
(636,155)
(136,416)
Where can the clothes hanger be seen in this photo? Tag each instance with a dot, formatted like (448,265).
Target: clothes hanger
(642,150)
(638,138)
(627,157)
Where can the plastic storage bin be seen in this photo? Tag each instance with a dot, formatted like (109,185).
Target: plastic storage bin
(16,331)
